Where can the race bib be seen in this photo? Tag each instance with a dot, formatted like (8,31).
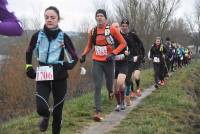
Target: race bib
(101,50)
(156,59)
(119,57)
(44,73)
(135,58)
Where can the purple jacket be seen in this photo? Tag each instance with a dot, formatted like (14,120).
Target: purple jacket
(9,25)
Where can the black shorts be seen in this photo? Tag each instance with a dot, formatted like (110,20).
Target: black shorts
(121,68)
(132,66)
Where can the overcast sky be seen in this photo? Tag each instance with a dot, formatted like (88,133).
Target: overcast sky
(74,11)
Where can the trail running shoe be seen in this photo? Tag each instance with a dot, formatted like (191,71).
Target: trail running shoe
(43,125)
(139,92)
(162,83)
(156,85)
(117,108)
(97,117)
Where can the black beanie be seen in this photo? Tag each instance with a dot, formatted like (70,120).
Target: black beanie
(102,11)
(125,21)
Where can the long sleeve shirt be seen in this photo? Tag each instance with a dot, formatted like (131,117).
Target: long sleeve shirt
(101,48)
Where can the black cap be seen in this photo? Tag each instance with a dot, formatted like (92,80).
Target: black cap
(125,21)
(102,11)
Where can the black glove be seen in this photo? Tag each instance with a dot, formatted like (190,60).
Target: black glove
(68,66)
(110,57)
(30,72)
(82,59)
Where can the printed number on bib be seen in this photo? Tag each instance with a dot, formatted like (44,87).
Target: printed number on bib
(44,73)
(156,59)
(101,50)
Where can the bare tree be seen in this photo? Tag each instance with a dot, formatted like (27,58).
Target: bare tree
(162,11)
(179,31)
(194,25)
(198,25)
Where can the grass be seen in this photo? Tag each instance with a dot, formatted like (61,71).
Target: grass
(77,113)
(166,111)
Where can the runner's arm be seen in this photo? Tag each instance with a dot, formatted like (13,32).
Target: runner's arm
(117,35)
(89,44)
(31,47)
(70,47)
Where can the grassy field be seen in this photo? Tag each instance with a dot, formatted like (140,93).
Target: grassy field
(171,109)
(77,113)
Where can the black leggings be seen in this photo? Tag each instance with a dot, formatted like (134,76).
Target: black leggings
(158,72)
(58,89)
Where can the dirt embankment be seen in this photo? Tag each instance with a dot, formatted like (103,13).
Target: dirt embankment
(192,86)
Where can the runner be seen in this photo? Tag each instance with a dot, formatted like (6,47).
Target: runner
(168,56)
(157,54)
(121,68)
(51,45)
(9,25)
(136,55)
(180,56)
(101,38)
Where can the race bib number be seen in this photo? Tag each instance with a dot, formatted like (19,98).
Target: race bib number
(119,57)
(156,59)
(101,50)
(44,73)
(135,58)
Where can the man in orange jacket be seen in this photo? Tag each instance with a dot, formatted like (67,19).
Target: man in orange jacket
(103,38)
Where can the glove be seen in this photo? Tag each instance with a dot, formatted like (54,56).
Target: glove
(68,66)
(30,72)
(110,57)
(82,59)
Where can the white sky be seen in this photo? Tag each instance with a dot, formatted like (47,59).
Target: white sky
(74,12)
(186,8)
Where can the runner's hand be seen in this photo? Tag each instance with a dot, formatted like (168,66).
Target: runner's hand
(82,59)
(110,57)
(30,72)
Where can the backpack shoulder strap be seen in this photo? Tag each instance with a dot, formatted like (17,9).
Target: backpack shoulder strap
(94,35)
(107,30)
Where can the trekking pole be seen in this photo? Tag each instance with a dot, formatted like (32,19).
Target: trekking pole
(166,67)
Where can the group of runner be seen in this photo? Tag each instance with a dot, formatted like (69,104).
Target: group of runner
(117,54)
(167,57)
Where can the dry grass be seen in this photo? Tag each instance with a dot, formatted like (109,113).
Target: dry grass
(17,91)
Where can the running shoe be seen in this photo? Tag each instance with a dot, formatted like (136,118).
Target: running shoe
(139,92)
(97,117)
(43,125)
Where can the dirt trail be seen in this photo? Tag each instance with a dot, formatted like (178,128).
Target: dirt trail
(114,118)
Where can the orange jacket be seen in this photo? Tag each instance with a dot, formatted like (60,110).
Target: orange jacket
(102,49)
